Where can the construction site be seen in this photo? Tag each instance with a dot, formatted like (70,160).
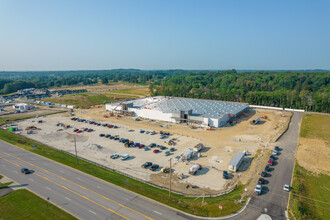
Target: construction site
(190,152)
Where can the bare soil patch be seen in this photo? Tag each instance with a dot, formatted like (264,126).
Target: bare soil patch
(313,155)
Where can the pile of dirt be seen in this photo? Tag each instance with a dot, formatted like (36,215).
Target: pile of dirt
(313,155)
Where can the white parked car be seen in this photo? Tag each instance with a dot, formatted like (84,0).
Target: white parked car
(124,157)
(258,189)
(286,187)
(275,152)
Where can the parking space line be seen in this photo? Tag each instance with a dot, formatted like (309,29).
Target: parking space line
(67,198)
(92,212)
(157,212)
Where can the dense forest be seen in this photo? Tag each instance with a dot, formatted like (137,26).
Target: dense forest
(13,81)
(301,90)
(290,89)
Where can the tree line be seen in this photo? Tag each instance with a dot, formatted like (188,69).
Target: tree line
(13,81)
(301,90)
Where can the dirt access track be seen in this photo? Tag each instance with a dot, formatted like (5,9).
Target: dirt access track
(221,145)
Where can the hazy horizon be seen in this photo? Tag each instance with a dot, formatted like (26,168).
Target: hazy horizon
(155,35)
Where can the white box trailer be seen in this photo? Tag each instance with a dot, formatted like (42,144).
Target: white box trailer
(236,161)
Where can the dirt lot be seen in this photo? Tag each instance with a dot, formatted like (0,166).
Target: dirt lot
(221,145)
(313,155)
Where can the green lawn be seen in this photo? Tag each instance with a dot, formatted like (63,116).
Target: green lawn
(315,126)
(22,204)
(309,198)
(142,91)
(190,205)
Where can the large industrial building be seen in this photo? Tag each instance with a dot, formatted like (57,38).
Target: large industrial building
(172,109)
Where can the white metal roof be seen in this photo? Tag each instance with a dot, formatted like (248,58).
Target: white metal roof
(236,159)
(199,107)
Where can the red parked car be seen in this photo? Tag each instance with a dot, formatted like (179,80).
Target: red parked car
(79,131)
(270,162)
(89,130)
(156,151)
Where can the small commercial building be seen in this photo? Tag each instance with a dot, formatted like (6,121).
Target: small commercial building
(23,106)
(236,161)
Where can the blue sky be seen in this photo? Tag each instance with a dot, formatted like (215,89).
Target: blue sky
(154,34)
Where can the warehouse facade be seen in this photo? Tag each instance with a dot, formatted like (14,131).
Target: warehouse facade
(181,110)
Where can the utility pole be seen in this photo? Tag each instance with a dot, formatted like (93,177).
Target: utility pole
(170,177)
(75,147)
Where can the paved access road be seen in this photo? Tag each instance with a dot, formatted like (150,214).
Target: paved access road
(274,199)
(82,195)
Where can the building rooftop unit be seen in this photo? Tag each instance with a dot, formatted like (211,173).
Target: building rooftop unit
(199,107)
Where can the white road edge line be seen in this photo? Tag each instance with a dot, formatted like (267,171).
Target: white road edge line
(92,212)
(158,212)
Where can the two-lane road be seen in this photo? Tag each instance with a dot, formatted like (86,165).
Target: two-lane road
(82,195)
(274,200)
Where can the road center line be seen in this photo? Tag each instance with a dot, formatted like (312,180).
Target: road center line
(81,196)
(78,185)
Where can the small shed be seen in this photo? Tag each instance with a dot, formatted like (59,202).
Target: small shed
(236,161)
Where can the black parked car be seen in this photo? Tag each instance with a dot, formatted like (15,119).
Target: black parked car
(26,171)
(261,180)
(264,174)
(112,137)
(102,135)
(162,147)
(146,164)
(277,148)
(267,168)
(107,136)
(225,174)
(154,167)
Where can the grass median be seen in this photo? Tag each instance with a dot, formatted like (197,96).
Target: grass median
(210,207)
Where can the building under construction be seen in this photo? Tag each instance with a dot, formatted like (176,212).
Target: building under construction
(179,110)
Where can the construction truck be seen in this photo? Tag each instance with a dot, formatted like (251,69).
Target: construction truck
(193,170)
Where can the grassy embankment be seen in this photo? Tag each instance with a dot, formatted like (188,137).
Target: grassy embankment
(190,205)
(97,98)
(23,204)
(309,198)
